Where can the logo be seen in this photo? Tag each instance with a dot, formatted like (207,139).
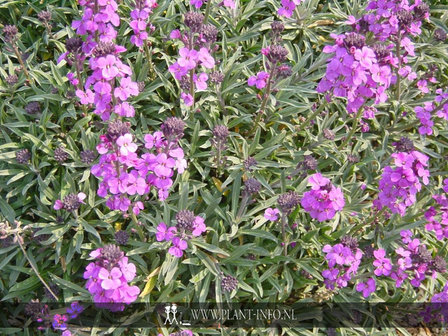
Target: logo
(171,315)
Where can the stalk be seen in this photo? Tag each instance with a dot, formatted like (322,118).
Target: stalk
(207,11)
(285,244)
(139,229)
(397,50)
(22,64)
(148,56)
(312,116)
(34,269)
(265,100)
(353,130)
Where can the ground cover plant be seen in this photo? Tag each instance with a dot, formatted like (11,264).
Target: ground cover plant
(161,154)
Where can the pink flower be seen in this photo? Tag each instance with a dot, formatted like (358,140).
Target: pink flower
(366,288)
(136,184)
(271,214)
(188,59)
(187,98)
(201,81)
(137,207)
(86,97)
(58,205)
(175,34)
(365,56)
(199,226)
(205,58)
(127,269)
(164,233)
(111,280)
(126,89)
(108,66)
(259,81)
(126,145)
(178,248)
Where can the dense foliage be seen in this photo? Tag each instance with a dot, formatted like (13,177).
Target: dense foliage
(239,151)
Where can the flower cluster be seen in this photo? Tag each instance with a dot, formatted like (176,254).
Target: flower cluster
(124,173)
(324,199)
(109,85)
(139,22)
(60,320)
(195,56)
(108,277)
(343,262)
(98,22)
(362,69)
(414,262)
(70,202)
(288,7)
(424,114)
(399,186)
(188,226)
(276,56)
(439,224)
(436,310)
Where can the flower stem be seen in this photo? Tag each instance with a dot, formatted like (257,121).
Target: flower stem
(22,64)
(207,11)
(34,269)
(149,57)
(139,229)
(416,122)
(397,51)
(311,117)
(192,87)
(353,130)
(285,244)
(265,100)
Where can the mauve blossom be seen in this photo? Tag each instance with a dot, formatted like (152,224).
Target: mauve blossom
(164,233)
(271,214)
(259,80)
(188,59)
(367,287)
(178,247)
(205,58)
(126,144)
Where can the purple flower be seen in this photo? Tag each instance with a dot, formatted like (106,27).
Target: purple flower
(59,322)
(126,145)
(74,310)
(323,200)
(111,280)
(188,59)
(383,265)
(86,97)
(205,58)
(365,56)
(164,233)
(187,98)
(367,287)
(259,81)
(271,214)
(178,247)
